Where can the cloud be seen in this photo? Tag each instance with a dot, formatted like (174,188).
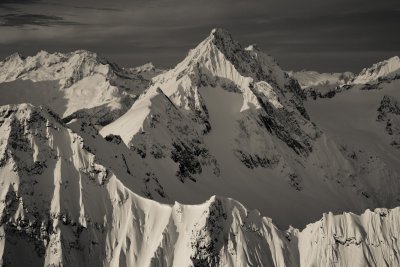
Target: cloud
(21,20)
(18,2)
(96,8)
(11,5)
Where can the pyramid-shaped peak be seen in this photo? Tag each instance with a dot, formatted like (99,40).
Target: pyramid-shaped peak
(220,53)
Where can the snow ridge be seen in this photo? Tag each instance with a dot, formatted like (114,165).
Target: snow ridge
(62,81)
(226,121)
(327,85)
(387,69)
(63,205)
(314,79)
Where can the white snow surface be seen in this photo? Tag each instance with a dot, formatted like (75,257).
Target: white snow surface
(77,82)
(226,126)
(63,205)
(228,121)
(327,85)
(386,69)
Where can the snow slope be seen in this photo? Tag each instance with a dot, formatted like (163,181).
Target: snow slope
(228,121)
(384,70)
(362,118)
(62,204)
(76,84)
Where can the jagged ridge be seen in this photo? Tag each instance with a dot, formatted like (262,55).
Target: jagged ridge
(62,207)
(77,84)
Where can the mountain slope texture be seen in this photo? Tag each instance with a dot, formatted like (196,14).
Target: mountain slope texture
(61,206)
(228,121)
(95,166)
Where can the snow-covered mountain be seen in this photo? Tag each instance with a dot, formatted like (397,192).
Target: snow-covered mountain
(366,106)
(308,79)
(325,85)
(75,84)
(322,85)
(228,121)
(147,70)
(63,205)
(226,126)
(384,70)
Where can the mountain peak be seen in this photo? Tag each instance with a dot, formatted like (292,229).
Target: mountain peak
(220,33)
(14,56)
(394,59)
(382,70)
(393,62)
(224,41)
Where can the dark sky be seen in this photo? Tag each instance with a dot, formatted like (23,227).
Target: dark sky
(324,35)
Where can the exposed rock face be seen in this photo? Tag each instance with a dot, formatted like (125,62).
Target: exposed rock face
(389,115)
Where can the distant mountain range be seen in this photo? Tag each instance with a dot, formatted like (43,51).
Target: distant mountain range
(95,160)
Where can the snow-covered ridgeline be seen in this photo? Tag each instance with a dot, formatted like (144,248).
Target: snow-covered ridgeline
(384,70)
(219,61)
(75,84)
(314,79)
(62,205)
(228,121)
